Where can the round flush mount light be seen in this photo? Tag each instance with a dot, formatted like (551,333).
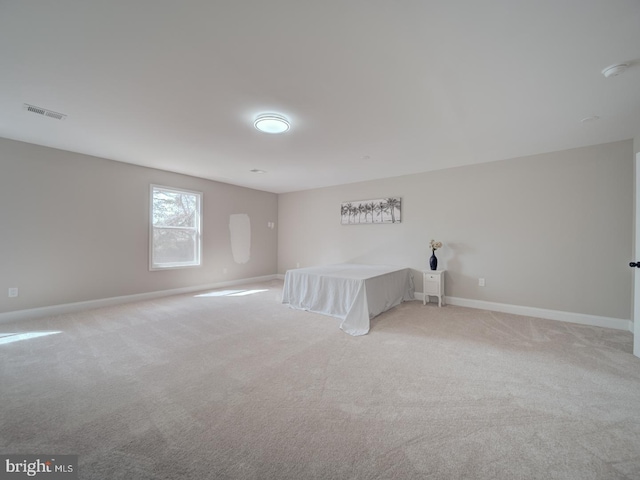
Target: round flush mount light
(271,123)
(613,70)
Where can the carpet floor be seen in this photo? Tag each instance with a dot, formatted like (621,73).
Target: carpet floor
(231,384)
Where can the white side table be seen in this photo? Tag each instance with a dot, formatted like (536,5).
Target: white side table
(433,281)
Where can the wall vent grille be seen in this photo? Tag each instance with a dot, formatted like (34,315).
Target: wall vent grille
(44,112)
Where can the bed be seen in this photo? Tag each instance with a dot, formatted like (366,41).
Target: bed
(353,293)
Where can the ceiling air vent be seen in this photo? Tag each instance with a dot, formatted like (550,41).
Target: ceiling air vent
(44,111)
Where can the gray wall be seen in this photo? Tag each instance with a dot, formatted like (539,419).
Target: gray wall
(551,231)
(76,228)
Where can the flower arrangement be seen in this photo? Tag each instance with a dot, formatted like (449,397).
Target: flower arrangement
(435,245)
(433,261)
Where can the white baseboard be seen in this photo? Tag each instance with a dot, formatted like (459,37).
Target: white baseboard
(106,302)
(581,318)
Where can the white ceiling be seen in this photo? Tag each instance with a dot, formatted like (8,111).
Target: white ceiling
(373,88)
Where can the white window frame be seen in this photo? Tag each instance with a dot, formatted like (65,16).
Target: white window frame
(198,229)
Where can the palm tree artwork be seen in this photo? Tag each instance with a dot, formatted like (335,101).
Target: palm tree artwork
(380,210)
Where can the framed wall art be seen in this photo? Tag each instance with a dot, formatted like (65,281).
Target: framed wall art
(380,210)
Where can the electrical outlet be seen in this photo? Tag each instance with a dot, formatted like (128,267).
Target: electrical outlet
(224,270)
(481,282)
(297,264)
(13,292)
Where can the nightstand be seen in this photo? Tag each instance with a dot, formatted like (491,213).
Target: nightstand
(433,281)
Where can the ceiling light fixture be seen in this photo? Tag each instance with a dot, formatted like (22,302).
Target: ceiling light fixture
(257,170)
(272,123)
(613,70)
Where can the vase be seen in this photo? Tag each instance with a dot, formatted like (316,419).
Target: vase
(433,261)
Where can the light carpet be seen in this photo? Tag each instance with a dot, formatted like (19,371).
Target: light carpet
(237,386)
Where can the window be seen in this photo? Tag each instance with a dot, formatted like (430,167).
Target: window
(175,228)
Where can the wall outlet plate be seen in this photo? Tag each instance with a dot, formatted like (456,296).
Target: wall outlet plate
(13,292)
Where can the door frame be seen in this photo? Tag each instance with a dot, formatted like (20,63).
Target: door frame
(636,253)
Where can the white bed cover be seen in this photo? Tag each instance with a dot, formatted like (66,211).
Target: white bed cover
(352,292)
